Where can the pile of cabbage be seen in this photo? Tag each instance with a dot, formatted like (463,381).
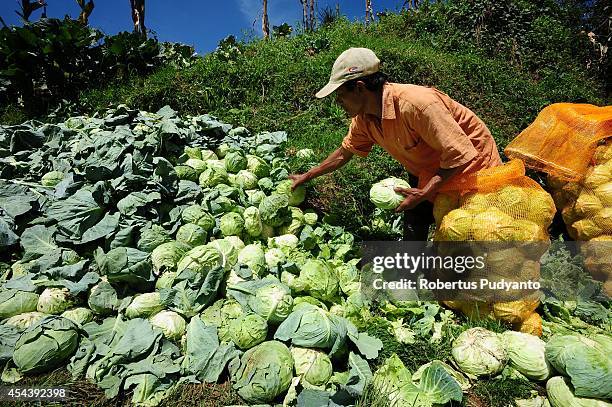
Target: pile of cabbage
(574,368)
(145,250)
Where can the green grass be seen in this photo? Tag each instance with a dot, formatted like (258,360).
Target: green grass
(83,393)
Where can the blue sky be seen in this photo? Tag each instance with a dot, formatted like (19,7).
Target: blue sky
(200,23)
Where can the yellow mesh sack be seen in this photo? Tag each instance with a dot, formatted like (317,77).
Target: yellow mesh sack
(562,139)
(531,325)
(495,204)
(586,208)
(499,204)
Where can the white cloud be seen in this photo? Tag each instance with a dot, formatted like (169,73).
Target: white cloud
(279,11)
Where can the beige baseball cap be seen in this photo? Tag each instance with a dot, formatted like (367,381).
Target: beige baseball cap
(351,64)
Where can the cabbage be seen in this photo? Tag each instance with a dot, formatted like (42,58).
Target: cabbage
(248,331)
(585,360)
(103,298)
(263,372)
(273,301)
(144,305)
(586,229)
(15,302)
(288,241)
(310,217)
(186,172)
(152,237)
(455,226)
(305,154)
(80,315)
(297,222)
(166,280)
(266,184)
(318,279)
(198,165)
(221,314)
(312,365)
(252,221)
(253,256)
(212,177)
(193,152)
(255,197)
(512,199)
(54,301)
(603,219)
(46,345)
(587,204)
(443,204)
(200,259)
(166,256)
(257,166)
(198,215)
(274,257)
(560,394)
(274,210)
(479,352)
(235,161)
(52,178)
(526,354)
(604,193)
(231,224)
(171,324)
(228,191)
(492,225)
(383,195)
(222,150)
(25,320)
(228,249)
(296,197)
(475,202)
(541,207)
(208,155)
(191,234)
(246,179)
(597,176)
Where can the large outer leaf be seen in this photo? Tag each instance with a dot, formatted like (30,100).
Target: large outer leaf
(76,215)
(38,240)
(204,357)
(585,360)
(439,385)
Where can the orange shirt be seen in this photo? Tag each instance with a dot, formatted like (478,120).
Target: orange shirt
(425,130)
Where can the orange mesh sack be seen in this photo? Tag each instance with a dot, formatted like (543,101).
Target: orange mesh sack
(586,207)
(498,204)
(562,139)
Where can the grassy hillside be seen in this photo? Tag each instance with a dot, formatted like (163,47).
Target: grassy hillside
(270,85)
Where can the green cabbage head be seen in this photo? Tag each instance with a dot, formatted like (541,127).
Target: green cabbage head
(479,352)
(25,320)
(191,234)
(200,259)
(252,221)
(263,372)
(166,256)
(248,331)
(54,301)
(79,315)
(313,365)
(235,161)
(46,345)
(144,305)
(172,324)
(296,197)
(560,393)
(274,210)
(383,195)
(231,224)
(253,256)
(526,354)
(273,301)
(15,302)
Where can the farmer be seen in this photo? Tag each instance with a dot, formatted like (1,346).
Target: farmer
(430,134)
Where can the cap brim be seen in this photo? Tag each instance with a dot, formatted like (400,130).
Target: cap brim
(327,89)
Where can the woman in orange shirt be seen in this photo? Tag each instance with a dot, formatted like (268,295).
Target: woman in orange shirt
(430,134)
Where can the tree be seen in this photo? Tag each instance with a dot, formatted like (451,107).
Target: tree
(368,11)
(28,7)
(86,9)
(138,17)
(265,25)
